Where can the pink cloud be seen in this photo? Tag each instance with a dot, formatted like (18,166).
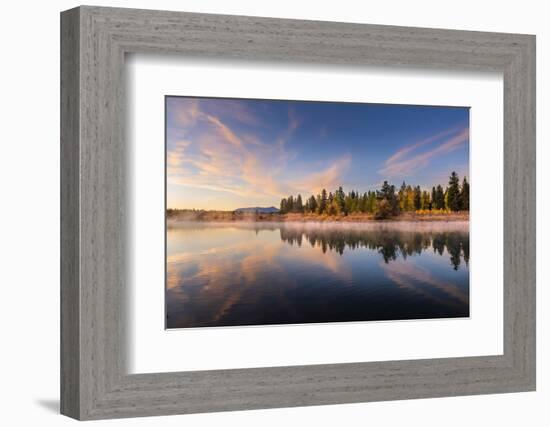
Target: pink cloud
(405,162)
(235,110)
(224,161)
(329,178)
(238,163)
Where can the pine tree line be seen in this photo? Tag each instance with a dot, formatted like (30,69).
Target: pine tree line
(384,202)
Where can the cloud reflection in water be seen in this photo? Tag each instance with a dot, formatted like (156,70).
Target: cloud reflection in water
(272,273)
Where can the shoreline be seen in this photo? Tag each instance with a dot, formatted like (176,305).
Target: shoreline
(231,217)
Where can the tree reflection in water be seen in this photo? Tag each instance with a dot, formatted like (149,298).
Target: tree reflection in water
(389,243)
(246,273)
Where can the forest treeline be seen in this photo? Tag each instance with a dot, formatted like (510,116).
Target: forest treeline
(384,203)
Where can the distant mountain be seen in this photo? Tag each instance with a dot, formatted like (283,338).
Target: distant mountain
(271,209)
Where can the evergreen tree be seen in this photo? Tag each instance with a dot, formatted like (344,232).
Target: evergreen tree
(408,198)
(340,197)
(440,197)
(417,198)
(453,193)
(282,208)
(426,203)
(465,195)
(394,203)
(388,193)
(357,202)
(402,195)
(312,204)
(348,204)
(323,202)
(385,191)
(298,206)
(363,203)
(290,204)
(372,201)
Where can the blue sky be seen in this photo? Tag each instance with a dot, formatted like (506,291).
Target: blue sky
(230,153)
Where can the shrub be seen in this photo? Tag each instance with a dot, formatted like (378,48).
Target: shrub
(383,209)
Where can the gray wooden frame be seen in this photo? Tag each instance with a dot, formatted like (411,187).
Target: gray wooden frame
(94,41)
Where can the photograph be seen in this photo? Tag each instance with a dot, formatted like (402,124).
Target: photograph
(290,212)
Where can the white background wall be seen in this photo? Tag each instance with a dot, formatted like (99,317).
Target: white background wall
(29,213)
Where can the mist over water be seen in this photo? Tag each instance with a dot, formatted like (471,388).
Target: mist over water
(250,273)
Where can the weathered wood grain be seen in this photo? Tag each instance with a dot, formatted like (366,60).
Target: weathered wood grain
(70,220)
(94,382)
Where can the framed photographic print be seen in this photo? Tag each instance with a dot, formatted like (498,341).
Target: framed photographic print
(262,213)
(241,252)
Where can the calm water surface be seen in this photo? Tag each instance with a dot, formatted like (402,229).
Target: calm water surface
(280,273)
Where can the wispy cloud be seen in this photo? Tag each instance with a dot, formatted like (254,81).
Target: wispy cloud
(185,111)
(329,178)
(233,109)
(223,158)
(402,152)
(220,158)
(410,159)
(225,132)
(175,156)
